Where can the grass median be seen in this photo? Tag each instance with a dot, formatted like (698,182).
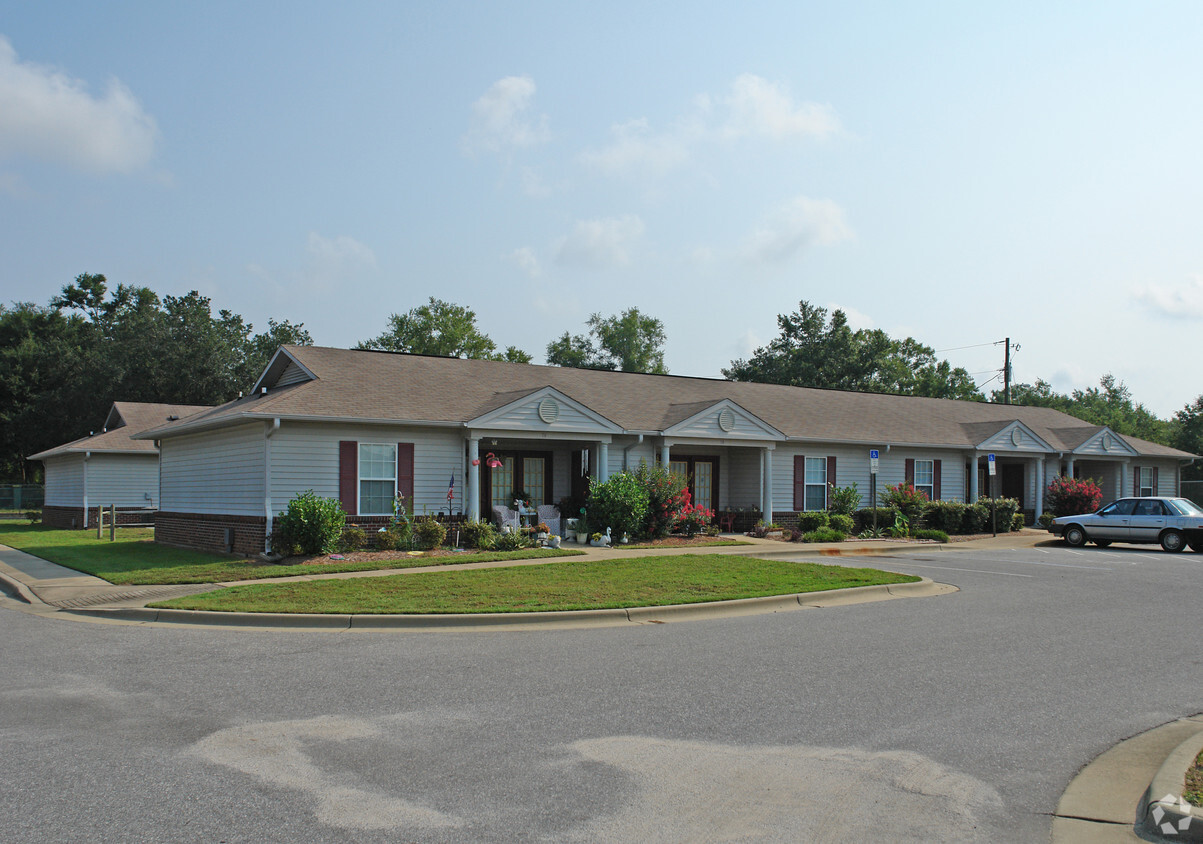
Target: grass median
(135,558)
(561,586)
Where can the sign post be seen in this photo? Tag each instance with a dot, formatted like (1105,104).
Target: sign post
(873,456)
(993,498)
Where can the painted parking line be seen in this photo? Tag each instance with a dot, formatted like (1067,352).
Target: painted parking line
(975,571)
(1039,563)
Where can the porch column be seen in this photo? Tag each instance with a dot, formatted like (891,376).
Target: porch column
(1123,480)
(472,493)
(664,456)
(1069,467)
(973,473)
(1039,486)
(767,493)
(603,461)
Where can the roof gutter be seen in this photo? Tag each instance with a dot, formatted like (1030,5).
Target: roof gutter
(628,448)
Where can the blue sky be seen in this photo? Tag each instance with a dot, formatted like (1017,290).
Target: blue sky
(956,172)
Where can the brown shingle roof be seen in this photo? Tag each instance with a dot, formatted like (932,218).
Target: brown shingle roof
(125,419)
(384,386)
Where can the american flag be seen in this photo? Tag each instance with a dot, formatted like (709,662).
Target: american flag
(451,488)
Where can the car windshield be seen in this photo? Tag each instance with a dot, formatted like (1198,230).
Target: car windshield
(1186,507)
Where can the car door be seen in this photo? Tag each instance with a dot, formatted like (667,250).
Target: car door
(1148,520)
(1111,523)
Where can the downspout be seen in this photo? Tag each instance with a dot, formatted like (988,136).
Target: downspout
(87,457)
(267,483)
(627,449)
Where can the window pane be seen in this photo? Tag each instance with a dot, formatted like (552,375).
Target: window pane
(924,473)
(703,483)
(679,467)
(533,479)
(503,483)
(377,461)
(816,497)
(816,470)
(375,498)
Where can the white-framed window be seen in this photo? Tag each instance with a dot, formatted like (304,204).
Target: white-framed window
(925,478)
(501,492)
(377,478)
(534,479)
(816,483)
(1146,485)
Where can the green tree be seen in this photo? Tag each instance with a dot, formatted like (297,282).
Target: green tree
(1186,433)
(815,351)
(1109,404)
(629,342)
(443,329)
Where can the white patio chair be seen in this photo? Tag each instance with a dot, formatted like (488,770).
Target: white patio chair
(505,516)
(549,514)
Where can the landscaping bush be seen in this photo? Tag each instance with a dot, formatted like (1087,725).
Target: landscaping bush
(1017,522)
(843,500)
(1073,496)
(864,518)
(619,503)
(386,539)
(1005,510)
(947,516)
(1045,520)
(429,533)
(666,495)
(811,520)
(34,516)
(841,522)
(929,533)
(795,535)
(480,535)
(513,541)
(906,499)
(824,534)
(282,545)
(691,520)
(353,538)
(315,525)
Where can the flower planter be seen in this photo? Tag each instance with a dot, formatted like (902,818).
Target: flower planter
(582,538)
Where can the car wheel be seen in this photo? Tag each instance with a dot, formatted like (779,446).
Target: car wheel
(1102,543)
(1173,541)
(1075,536)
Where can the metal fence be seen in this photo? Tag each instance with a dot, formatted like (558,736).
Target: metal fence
(1194,491)
(22,496)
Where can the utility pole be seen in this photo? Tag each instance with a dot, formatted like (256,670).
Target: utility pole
(1007,374)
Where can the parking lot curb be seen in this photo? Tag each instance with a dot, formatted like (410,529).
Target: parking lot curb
(1164,812)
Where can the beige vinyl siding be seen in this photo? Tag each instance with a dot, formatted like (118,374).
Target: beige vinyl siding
(305,456)
(524,416)
(123,479)
(217,472)
(65,481)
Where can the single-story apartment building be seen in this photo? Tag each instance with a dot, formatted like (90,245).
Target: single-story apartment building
(109,468)
(462,436)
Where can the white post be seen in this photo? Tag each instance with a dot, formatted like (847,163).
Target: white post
(973,473)
(1039,486)
(603,461)
(1069,467)
(768,486)
(473,490)
(664,456)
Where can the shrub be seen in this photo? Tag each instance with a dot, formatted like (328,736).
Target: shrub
(353,538)
(619,503)
(314,524)
(1017,521)
(691,520)
(513,541)
(843,500)
(1045,519)
(283,545)
(928,533)
(429,533)
(666,495)
(841,522)
(811,520)
(907,499)
(976,518)
(795,535)
(1005,510)
(1073,496)
(34,516)
(480,535)
(947,516)
(386,539)
(864,518)
(824,534)
(872,533)
(901,526)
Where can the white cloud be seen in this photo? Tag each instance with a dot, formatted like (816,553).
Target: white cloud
(46,114)
(634,146)
(341,252)
(502,119)
(527,261)
(1185,300)
(760,107)
(600,243)
(797,224)
(753,107)
(856,319)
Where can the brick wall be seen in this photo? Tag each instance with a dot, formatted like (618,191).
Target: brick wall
(208,532)
(60,517)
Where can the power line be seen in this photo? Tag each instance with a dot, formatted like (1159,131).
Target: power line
(977,346)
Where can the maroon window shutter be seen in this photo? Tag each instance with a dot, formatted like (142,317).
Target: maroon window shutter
(935,479)
(348,475)
(830,473)
(405,472)
(799,482)
(910,471)
(1156,488)
(1136,480)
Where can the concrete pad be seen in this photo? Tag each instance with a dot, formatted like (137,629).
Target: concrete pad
(1075,831)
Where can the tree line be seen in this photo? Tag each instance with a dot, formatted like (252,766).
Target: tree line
(63,364)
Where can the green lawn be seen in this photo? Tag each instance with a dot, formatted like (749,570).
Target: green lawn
(577,585)
(135,558)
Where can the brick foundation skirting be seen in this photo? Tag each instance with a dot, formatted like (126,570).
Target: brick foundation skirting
(208,531)
(73,517)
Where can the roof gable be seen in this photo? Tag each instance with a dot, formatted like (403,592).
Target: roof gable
(546,410)
(723,420)
(1106,443)
(1013,437)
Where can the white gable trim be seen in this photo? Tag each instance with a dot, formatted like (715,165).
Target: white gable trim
(724,422)
(1015,437)
(545,411)
(1106,443)
(280,361)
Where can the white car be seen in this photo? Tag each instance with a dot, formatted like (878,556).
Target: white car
(1174,522)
